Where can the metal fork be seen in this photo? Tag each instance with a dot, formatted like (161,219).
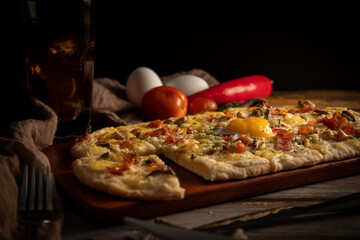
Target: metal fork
(35,206)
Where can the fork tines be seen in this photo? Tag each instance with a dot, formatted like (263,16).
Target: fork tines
(31,196)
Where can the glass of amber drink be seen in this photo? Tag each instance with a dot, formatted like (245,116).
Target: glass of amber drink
(59,52)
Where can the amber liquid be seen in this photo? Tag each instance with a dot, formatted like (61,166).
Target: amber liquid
(59,52)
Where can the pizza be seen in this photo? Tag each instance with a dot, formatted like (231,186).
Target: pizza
(235,143)
(115,161)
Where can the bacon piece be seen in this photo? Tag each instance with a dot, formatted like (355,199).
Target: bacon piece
(278,111)
(118,170)
(283,144)
(338,122)
(307,130)
(155,124)
(283,139)
(126,144)
(329,122)
(311,122)
(246,140)
(306,105)
(240,147)
(128,160)
(308,108)
(154,166)
(172,138)
(228,137)
(228,115)
(283,133)
(165,131)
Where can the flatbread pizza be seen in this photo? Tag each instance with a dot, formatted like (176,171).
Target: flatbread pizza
(236,143)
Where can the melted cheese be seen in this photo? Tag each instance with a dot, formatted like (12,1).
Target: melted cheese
(135,182)
(267,153)
(101,165)
(289,107)
(322,148)
(294,120)
(254,126)
(355,143)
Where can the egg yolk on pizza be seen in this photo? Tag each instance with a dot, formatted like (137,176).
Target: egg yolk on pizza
(254,126)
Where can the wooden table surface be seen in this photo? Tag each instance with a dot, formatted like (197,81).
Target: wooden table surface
(340,226)
(350,99)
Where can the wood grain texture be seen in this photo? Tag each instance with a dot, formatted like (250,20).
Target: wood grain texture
(263,204)
(199,193)
(323,98)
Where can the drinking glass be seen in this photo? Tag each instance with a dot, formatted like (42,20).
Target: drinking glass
(59,44)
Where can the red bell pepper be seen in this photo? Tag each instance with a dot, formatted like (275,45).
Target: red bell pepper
(237,90)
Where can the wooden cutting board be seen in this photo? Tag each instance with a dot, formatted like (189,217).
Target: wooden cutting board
(107,209)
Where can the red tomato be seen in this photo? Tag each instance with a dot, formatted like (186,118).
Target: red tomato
(201,105)
(164,102)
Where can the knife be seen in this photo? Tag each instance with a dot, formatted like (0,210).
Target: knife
(173,233)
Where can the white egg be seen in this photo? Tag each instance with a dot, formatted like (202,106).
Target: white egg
(188,84)
(140,81)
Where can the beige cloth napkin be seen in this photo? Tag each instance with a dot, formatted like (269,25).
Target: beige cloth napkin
(26,137)
(21,144)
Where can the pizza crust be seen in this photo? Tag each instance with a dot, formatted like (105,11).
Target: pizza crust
(162,186)
(221,168)
(301,157)
(335,151)
(286,162)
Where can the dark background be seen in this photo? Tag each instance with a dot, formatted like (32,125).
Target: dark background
(304,55)
(295,56)
(313,55)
